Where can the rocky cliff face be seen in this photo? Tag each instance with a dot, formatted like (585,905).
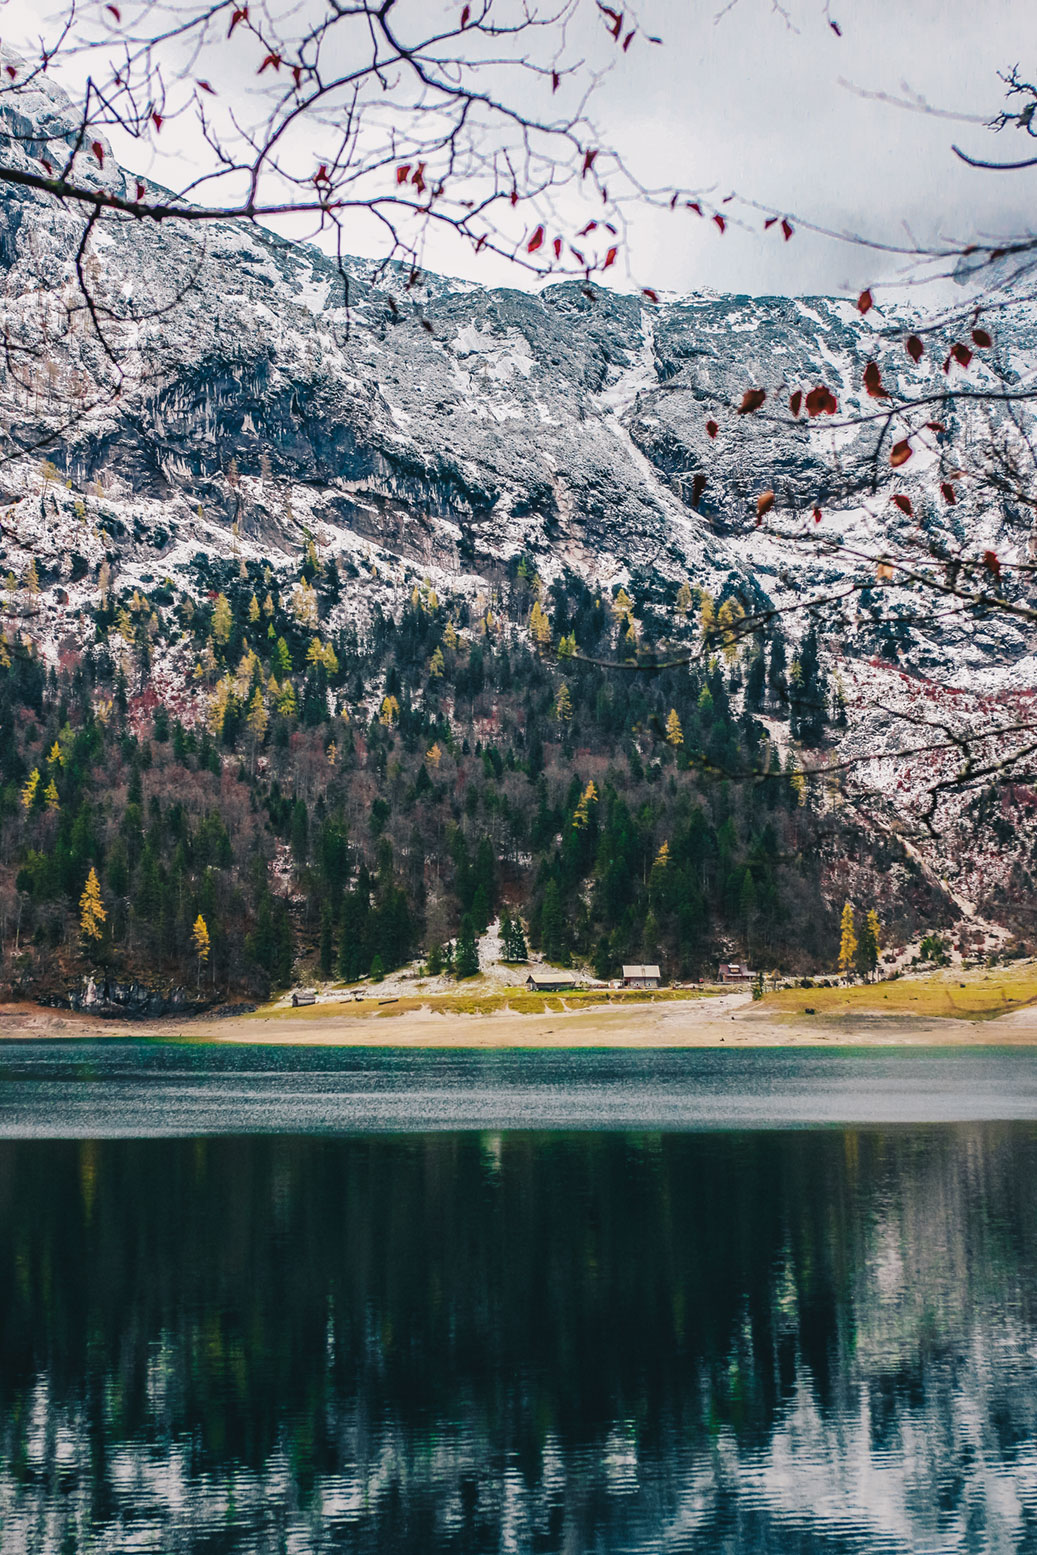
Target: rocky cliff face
(442,430)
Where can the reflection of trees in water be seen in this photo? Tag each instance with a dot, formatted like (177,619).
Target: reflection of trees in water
(443,1341)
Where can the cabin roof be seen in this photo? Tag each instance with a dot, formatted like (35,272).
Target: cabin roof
(641,971)
(547,978)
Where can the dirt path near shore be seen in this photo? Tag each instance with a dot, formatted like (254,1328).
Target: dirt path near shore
(730,1020)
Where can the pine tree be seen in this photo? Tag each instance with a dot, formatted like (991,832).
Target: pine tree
(777,679)
(92,912)
(564,704)
(253,610)
(848,940)
(327,947)
(868,947)
(466,955)
(436,664)
(50,795)
(552,925)
(674,732)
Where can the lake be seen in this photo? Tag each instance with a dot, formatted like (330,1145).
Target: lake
(295,1314)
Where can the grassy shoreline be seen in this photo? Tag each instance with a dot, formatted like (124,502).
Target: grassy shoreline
(949,1009)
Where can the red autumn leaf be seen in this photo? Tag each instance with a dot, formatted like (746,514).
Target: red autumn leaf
(557,246)
(787,229)
(12,72)
(821,401)
(98,151)
(982,339)
(772,221)
(140,192)
(417,178)
(950,496)
(273,60)
(240,15)
(610,258)
(403,173)
(900,453)
(915,348)
(297,75)
(115,12)
(721,222)
(817,515)
(764,503)
(752,399)
(873,382)
(46,164)
(586,231)
(961,354)
(581,258)
(712,428)
(481,243)
(992,563)
(156,119)
(693,205)
(628,40)
(865,301)
(205,87)
(795,401)
(903,503)
(698,486)
(514,197)
(321,176)
(466,16)
(588,162)
(615,20)
(650,292)
(836,29)
(535,241)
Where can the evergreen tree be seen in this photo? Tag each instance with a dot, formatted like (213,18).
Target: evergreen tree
(513,940)
(806,694)
(326,940)
(466,955)
(867,958)
(777,672)
(755,682)
(552,926)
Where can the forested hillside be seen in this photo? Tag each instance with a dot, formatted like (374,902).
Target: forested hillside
(292,801)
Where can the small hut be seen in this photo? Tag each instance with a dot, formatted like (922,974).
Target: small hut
(642,977)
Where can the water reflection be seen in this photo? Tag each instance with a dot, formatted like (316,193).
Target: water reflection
(506,1342)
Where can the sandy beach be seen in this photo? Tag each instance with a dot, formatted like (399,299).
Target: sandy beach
(728,1019)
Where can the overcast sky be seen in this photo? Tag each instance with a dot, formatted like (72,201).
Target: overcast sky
(760,101)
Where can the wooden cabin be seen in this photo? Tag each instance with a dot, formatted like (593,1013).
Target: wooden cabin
(642,977)
(549,982)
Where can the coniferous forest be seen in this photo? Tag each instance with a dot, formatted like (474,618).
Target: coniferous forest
(297,800)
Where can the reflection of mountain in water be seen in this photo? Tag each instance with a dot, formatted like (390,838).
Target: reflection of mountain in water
(752,1342)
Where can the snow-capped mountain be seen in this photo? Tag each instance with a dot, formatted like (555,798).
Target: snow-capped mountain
(237,397)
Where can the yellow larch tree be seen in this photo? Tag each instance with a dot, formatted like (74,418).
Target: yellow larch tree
(674,732)
(222,620)
(92,911)
(847,940)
